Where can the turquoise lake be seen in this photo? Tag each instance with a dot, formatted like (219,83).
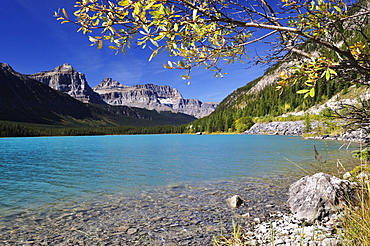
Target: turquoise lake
(48,171)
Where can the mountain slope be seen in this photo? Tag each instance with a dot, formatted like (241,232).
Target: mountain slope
(23,99)
(259,98)
(26,100)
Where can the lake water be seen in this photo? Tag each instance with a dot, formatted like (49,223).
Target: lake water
(50,171)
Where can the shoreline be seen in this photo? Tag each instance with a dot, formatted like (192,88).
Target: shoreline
(297,128)
(174,215)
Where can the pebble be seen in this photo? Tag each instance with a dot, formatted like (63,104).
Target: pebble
(178,215)
(283,229)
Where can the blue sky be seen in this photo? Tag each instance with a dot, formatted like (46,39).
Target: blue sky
(32,40)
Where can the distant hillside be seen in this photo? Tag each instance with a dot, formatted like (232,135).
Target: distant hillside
(23,99)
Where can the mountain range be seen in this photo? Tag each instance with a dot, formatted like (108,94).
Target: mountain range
(25,99)
(66,79)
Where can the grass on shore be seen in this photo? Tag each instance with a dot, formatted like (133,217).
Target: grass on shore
(356,221)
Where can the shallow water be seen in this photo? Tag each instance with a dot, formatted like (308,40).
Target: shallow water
(161,188)
(35,172)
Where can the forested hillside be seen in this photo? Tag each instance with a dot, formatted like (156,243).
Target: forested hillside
(237,111)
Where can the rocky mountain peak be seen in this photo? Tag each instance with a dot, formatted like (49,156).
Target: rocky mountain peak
(162,91)
(64,68)
(108,84)
(150,96)
(6,66)
(66,79)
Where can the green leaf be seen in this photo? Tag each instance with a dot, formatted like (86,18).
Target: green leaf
(332,71)
(302,91)
(338,9)
(312,92)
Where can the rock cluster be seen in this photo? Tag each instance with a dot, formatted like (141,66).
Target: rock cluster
(315,202)
(351,135)
(285,230)
(297,128)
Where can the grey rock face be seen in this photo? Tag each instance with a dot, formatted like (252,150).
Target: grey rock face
(149,96)
(66,79)
(318,196)
(294,128)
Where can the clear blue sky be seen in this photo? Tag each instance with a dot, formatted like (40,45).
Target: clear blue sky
(32,40)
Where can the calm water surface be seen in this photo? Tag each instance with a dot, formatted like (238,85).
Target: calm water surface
(37,172)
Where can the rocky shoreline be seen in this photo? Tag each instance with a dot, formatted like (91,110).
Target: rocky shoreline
(174,215)
(297,128)
(283,229)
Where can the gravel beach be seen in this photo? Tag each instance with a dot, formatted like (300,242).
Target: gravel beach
(172,215)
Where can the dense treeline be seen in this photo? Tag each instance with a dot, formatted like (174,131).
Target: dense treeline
(11,129)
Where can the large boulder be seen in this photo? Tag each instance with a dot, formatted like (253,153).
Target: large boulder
(320,195)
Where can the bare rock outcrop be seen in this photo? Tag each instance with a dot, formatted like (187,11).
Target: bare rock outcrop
(292,128)
(149,96)
(318,196)
(66,79)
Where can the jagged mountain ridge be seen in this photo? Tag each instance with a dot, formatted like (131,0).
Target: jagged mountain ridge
(26,100)
(23,99)
(66,79)
(149,96)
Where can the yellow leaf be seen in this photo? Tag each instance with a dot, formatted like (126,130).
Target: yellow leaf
(168,67)
(137,9)
(100,44)
(65,13)
(124,3)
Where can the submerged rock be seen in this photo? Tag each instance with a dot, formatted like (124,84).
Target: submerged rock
(318,196)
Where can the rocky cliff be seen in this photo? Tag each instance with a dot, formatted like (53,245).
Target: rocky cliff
(149,96)
(66,79)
